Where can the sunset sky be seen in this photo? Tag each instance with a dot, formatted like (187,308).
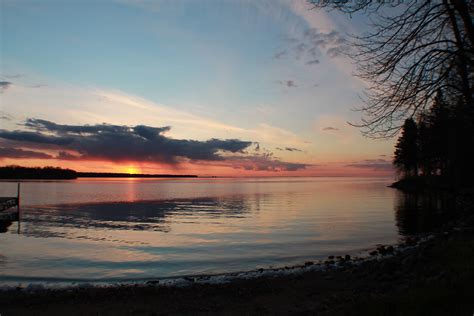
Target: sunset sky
(224,88)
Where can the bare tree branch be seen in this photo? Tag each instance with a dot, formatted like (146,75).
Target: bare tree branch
(410,53)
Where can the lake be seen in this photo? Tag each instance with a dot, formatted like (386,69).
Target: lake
(133,229)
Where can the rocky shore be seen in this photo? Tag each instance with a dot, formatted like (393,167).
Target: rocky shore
(430,276)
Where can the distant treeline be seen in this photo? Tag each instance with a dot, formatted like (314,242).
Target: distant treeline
(17,172)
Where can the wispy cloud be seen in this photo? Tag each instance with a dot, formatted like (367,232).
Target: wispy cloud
(313,62)
(373,164)
(330,128)
(5,116)
(333,45)
(280,54)
(80,105)
(289,149)
(264,162)
(314,42)
(18,153)
(287,83)
(4,85)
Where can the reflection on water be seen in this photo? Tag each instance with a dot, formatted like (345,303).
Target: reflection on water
(99,229)
(420,213)
(142,215)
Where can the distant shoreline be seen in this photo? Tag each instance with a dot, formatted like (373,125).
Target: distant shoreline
(52,173)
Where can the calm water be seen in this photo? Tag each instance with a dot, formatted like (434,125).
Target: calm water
(111,229)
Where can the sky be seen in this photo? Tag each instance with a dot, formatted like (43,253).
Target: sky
(213,88)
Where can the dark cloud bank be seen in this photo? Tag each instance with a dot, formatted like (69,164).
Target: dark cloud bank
(129,143)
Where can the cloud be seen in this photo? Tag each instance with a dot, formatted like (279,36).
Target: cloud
(280,54)
(373,164)
(20,154)
(330,128)
(15,76)
(313,62)
(92,105)
(64,155)
(264,162)
(314,43)
(121,143)
(338,51)
(287,83)
(33,137)
(289,149)
(36,86)
(5,116)
(139,143)
(4,85)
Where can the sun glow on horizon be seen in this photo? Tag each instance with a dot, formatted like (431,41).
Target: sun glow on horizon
(132,170)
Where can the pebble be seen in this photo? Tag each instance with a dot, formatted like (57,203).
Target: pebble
(153,282)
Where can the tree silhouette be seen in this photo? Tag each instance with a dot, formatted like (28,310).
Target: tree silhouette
(435,138)
(406,149)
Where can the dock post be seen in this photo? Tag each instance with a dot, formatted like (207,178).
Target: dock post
(18,205)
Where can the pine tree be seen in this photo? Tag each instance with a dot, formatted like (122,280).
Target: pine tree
(406,149)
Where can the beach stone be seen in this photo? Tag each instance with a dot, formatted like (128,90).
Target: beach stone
(308,263)
(34,287)
(374,253)
(331,257)
(411,241)
(382,250)
(152,282)
(347,257)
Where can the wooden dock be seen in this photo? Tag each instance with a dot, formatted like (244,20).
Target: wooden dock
(7,214)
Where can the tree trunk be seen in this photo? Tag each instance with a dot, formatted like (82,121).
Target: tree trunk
(462,60)
(462,8)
